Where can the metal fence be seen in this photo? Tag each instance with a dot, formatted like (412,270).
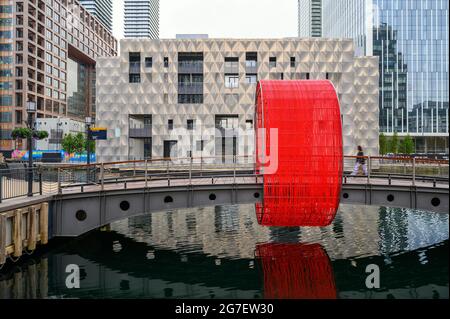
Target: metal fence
(49,179)
(14,181)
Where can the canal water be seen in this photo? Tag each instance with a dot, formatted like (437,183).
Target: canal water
(222,252)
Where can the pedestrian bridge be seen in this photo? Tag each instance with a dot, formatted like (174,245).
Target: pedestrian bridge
(79,199)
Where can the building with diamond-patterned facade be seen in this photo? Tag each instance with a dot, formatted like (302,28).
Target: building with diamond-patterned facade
(195,97)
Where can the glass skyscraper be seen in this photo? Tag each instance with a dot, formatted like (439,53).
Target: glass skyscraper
(410,37)
(142,19)
(309,18)
(102,10)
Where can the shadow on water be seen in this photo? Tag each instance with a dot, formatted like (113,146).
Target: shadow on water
(223,253)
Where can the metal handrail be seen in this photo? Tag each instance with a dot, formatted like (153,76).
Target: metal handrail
(58,177)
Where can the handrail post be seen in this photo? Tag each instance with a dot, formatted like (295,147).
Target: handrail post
(102,175)
(168,176)
(134,169)
(369,166)
(1,187)
(234,169)
(145,174)
(59,181)
(190,172)
(40,182)
(414,171)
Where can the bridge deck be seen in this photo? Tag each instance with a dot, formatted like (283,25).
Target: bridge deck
(139,183)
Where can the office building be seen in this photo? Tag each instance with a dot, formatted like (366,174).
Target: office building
(47,55)
(57,128)
(102,10)
(195,97)
(411,40)
(309,18)
(142,19)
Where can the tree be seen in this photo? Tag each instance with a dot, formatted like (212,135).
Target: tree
(407,145)
(393,144)
(25,132)
(73,143)
(383,144)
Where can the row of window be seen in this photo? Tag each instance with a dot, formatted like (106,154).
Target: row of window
(229,62)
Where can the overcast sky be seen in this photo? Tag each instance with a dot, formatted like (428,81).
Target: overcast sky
(222,18)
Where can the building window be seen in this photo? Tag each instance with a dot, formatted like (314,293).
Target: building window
(190,124)
(170,125)
(200,146)
(327,76)
(5,117)
(166,98)
(135,78)
(249,125)
(166,62)
(272,62)
(18,117)
(251,79)
(231,81)
(148,62)
(5,100)
(190,98)
(292,61)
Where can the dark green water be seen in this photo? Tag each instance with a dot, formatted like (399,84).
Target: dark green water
(221,252)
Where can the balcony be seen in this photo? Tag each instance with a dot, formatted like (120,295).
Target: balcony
(190,67)
(144,132)
(190,88)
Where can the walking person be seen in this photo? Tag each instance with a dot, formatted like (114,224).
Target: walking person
(360,161)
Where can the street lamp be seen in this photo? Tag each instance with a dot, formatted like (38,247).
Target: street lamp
(31,109)
(88,123)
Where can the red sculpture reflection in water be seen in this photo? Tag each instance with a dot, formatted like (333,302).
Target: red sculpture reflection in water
(305,188)
(296,271)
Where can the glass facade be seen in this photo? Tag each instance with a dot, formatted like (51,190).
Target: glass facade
(309,18)
(141,19)
(410,37)
(6,67)
(102,10)
(77,88)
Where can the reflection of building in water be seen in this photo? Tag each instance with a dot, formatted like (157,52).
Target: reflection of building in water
(233,231)
(30,282)
(99,281)
(229,231)
(403,229)
(354,232)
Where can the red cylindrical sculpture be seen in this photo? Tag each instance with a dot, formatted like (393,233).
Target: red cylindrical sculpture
(296,271)
(299,152)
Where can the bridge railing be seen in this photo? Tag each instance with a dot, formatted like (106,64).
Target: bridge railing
(155,169)
(53,179)
(390,168)
(14,181)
